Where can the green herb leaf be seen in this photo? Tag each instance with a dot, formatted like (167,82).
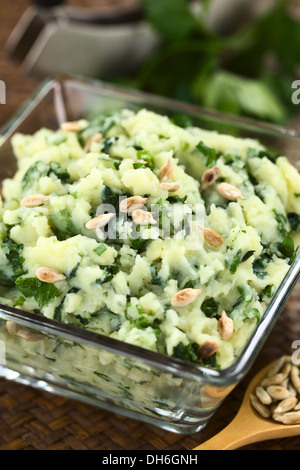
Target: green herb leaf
(60,140)
(13,251)
(34,173)
(210,307)
(139,309)
(171,18)
(109,272)
(285,248)
(103,376)
(139,244)
(56,169)
(231,92)
(261,153)
(268,291)
(238,303)
(40,169)
(101,125)
(253,313)
(100,249)
(233,158)
(188,283)
(147,157)
(156,279)
(232,264)
(62,225)
(106,310)
(189,353)
(260,263)
(137,165)
(186,352)
(73,272)
(58,310)
(247,255)
(111,198)
(141,323)
(282,221)
(5,280)
(210,362)
(20,301)
(176,199)
(43,292)
(246,293)
(181,120)
(294,220)
(108,143)
(209,153)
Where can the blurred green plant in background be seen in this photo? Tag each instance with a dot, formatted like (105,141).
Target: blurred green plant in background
(248,72)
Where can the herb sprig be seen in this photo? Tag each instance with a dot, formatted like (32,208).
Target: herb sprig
(228,72)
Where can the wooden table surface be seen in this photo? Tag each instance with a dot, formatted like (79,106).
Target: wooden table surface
(36,420)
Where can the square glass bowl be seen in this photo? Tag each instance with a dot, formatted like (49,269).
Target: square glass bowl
(123,378)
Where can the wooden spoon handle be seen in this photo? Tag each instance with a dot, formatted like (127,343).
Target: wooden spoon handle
(244,430)
(230,438)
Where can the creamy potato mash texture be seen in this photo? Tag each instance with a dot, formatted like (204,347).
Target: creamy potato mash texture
(171,238)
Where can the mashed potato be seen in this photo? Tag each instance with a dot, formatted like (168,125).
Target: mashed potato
(181,266)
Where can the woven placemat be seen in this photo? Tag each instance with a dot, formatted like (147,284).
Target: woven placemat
(35,420)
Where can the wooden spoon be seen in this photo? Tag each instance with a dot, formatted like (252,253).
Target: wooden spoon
(248,426)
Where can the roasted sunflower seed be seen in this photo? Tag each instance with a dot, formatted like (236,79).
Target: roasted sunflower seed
(185,297)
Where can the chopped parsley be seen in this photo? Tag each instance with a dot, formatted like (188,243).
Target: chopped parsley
(285,248)
(260,263)
(108,143)
(268,292)
(62,225)
(101,248)
(246,293)
(232,264)
(189,353)
(146,157)
(294,220)
(139,244)
(42,292)
(209,153)
(281,221)
(13,253)
(247,255)
(176,199)
(253,313)
(40,169)
(210,307)
(261,153)
(109,272)
(181,120)
(100,125)
(155,278)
